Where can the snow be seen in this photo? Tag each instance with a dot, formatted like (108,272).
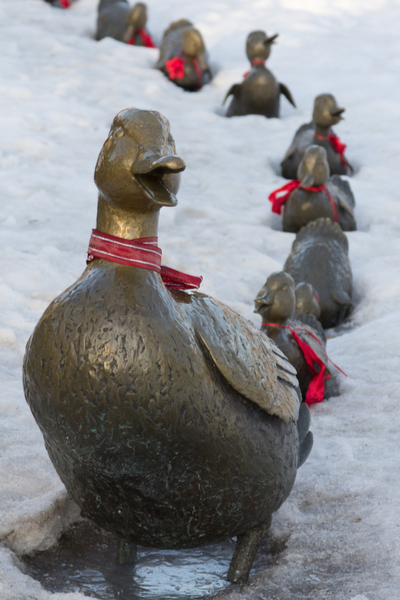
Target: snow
(59,93)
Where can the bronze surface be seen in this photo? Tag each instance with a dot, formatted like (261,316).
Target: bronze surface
(259,93)
(320,256)
(170,419)
(117,19)
(326,113)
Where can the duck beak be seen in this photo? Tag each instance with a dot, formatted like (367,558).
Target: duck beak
(337,112)
(271,39)
(154,175)
(263,302)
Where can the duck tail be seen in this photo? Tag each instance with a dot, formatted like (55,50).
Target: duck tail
(305,436)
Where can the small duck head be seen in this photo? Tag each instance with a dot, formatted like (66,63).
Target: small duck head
(137,172)
(307,300)
(275,301)
(136,17)
(258,45)
(313,170)
(193,47)
(326,111)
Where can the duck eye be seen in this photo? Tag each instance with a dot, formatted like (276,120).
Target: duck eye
(285,288)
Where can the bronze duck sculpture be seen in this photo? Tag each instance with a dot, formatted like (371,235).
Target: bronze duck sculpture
(183,56)
(314,195)
(319,132)
(171,420)
(276,302)
(320,256)
(259,93)
(117,19)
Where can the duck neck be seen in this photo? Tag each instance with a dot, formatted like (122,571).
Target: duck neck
(128,225)
(322,130)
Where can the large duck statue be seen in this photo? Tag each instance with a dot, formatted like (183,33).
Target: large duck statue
(319,132)
(171,420)
(314,195)
(259,93)
(303,345)
(117,19)
(183,56)
(320,256)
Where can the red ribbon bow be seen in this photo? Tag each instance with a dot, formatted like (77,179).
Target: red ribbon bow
(146,39)
(142,253)
(336,144)
(176,68)
(316,389)
(279,196)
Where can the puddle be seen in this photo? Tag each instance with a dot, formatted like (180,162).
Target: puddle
(85,561)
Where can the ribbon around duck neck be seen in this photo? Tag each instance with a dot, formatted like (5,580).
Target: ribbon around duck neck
(142,253)
(176,68)
(257,61)
(146,39)
(337,145)
(279,196)
(316,389)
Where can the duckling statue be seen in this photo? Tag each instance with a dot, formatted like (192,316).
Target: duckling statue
(303,345)
(326,114)
(320,256)
(171,420)
(313,195)
(259,92)
(183,56)
(117,19)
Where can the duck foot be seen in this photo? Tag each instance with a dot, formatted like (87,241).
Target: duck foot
(126,553)
(245,552)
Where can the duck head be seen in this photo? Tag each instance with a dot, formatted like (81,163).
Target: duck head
(313,170)
(193,47)
(275,301)
(137,173)
(326,111)
(136,17)
(138,168)
(258,45)
(307,300)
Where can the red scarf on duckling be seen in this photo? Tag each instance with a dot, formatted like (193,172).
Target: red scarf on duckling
(142,253)
(316,389)
(146,39)
(176,68)
(257,61)
(279,196)
(337,145)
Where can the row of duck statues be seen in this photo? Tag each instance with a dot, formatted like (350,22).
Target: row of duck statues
(172,421)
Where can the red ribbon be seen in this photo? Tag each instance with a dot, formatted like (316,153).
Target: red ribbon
(258,61)
(336,144)
(176,68)
(64,3)
(142,253)
(146,38)
(279,196)
(316,389)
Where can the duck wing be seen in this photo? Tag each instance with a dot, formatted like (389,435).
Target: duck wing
(231,92)
(286,92)
(250,362)
(307,334)
(341,190)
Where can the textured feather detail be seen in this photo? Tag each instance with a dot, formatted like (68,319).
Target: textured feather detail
(321,230)
(341,190)
(247,359)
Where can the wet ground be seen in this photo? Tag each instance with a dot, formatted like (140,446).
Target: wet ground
(85,561)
